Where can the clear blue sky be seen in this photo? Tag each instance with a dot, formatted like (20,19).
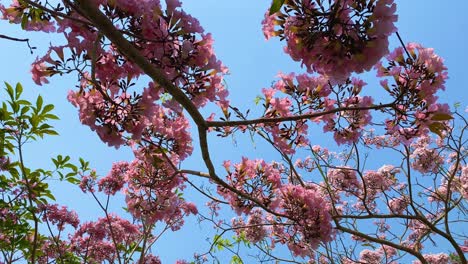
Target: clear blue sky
(253,63)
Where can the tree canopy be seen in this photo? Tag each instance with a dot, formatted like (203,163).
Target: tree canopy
(392,187)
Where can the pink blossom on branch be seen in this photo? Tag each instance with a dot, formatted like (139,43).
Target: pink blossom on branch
(337,39)
(254,178)
(59,216)
(309,221)
(417,80)
(440,258)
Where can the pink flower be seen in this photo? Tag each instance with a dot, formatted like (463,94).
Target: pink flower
(268,26)
(423,74)
(255,178)
(39,72)
(310,218)
(370,257)
(115,180)
(334,43)
(440,258)
(398,205)
(344,179)
(59,216)
(425,159)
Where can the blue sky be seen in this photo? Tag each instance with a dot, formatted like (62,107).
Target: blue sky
(253,64)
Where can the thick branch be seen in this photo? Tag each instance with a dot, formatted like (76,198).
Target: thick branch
(105,26)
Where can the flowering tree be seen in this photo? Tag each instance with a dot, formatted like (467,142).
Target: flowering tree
(322,205)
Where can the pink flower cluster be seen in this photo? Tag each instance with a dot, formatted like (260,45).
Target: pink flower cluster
(152,194)
(417,80)
(398,205)
(348,125)
(418,230)
(381,255)
(370,257)
(380,141)
(379,181)
(97,241)
(18,12)
(139,115)
(151,188)
(440,258)
(108,101)
(464,182)
(425,159)
(4,162)
(254,178)
(344,180)
(254,230)
(305,220)
(115,180)
(8,217)
(307,94)
(309,221)
(59,216)
(334,39)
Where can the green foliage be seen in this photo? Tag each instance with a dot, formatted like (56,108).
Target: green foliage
(276,6)
(219,243)
(23,189)
(236,260)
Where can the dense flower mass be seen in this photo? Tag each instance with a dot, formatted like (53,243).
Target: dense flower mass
(417,78)
(59,216)
(440,258)
(255,229)
(426,159)
(254,178)
(464,182)
(370,257)
(115,180)
(334,39)
(379,181)
(305,94)
(344,179)
(108,100)
(310,219)
(348,125)
(98,240)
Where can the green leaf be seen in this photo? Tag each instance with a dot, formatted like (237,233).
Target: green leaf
(39,103)
(24,110)
(10,90)
(257,100)
(368,245)
(47,108)
(73,180)
(71,166)
(276,6)
(19,90)
(50,132)
(236,260)
(34,121)
(23,102)
(24,21)
(51,116)
(49,195)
